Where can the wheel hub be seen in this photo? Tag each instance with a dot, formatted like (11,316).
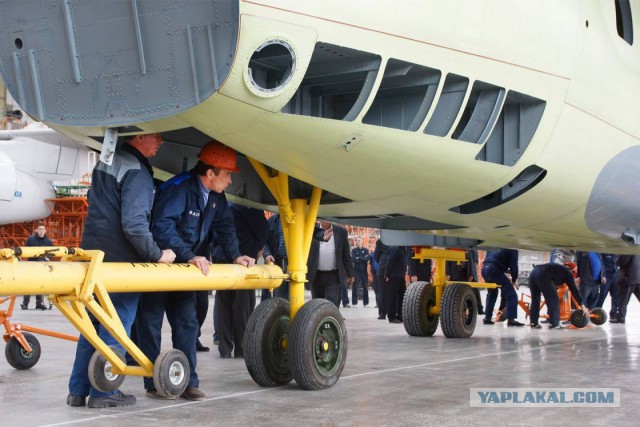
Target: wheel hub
(327,346)
(110,376)
(176,373)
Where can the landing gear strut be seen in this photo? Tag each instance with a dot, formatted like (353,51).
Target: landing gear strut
(313,349)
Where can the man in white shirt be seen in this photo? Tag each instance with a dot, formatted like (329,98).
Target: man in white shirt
(330,265)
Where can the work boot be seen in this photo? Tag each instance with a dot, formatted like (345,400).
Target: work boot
(155,394)
(75,400)
(41,307)
(193,393)
(115,400)
(488,321)
(514,323)
(200,347)
(23,306)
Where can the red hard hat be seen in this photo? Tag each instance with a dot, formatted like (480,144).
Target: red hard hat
(218,155)
(573,267)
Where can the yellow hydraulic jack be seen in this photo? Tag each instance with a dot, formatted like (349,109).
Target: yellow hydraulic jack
(75,287)
(292,339)
(452,303)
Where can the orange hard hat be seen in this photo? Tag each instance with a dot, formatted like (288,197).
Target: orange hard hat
(573,267)
(216,154)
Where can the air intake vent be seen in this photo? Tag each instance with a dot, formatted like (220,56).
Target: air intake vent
(514,130)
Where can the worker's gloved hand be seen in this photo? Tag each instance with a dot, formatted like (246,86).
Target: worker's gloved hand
(585,310)
(202,263)
(270,259)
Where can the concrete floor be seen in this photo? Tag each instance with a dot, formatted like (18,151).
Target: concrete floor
(390,379)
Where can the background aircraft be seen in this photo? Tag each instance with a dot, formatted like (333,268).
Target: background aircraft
(30,160)
(494,123)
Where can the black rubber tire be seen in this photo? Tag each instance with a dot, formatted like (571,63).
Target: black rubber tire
(599,316)
(418,299)
(100,375)
(578,319)
(318,347)
(171,373)
(266,343)
(18,357)
(458,311)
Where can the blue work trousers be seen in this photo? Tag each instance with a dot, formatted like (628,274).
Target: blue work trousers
(361,279)
(492,274)
(181,314)
(550,292)
(609,288)
(126,305)
(589,294)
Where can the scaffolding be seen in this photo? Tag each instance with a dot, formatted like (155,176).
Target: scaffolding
(64,225)
(367,234)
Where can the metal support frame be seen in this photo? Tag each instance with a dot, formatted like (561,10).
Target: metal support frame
(441,256)
(15,329)
(298,223)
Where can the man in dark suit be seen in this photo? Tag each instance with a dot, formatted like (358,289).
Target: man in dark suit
(330,266)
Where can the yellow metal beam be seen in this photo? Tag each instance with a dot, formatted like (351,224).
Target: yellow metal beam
(75,287)
(298,223)
(68,278)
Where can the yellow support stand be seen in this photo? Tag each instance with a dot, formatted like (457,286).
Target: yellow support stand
(75,287)
(441,256)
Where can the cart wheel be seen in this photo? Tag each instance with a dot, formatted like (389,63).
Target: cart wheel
(100,375)
(18,357)
(418,299)
(318,345)
(171,373)
(266,343)
(578,319)
(458,311)
(599,316)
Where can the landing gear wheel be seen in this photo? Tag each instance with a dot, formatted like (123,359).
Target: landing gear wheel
(171,373)
(318,345)
(100,375)
(599,316)
(266,343)
(18,357)
(418,300)
(578,319)
(458,311)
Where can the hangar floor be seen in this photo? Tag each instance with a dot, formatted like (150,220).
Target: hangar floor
(390,379)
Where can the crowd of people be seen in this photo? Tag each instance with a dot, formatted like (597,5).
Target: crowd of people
(189,220)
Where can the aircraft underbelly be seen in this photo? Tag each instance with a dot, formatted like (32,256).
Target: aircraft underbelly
(462,123)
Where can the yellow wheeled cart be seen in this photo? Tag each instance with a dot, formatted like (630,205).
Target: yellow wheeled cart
(79,284)
(453,304)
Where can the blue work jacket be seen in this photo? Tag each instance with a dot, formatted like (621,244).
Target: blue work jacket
(183,222)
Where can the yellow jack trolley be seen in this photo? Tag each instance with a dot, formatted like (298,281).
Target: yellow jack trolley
(453,304)
(80,283)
